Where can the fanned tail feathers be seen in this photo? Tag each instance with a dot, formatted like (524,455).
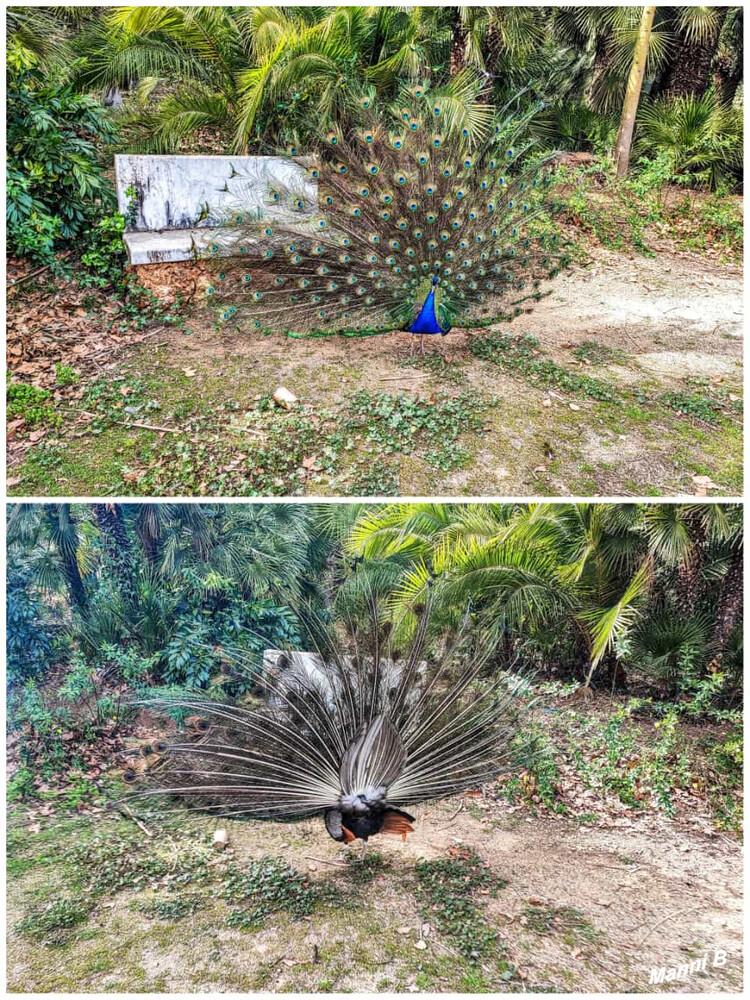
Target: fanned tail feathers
(382,726)
(395,208)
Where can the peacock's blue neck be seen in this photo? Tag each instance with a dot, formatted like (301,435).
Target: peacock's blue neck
(426,321)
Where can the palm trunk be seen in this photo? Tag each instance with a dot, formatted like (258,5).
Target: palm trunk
(116,543)
(633,92)
(729,610)
(602,62)
(690,68)
(690,572)
(458,45)
(727,69)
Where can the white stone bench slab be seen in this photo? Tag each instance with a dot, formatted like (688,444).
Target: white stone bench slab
(181,199)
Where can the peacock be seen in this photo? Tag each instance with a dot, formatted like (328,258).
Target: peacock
(357,731)
(393,226)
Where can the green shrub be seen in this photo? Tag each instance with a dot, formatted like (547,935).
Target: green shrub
(105,256)
(28,633)
(702,138)
(30,403)
(56,183)
(60,914)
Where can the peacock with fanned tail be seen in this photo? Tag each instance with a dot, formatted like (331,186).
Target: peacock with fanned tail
(355,734)
(395,228)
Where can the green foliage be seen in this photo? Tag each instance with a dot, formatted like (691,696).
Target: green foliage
(56,183)
(521,356)
(30,403)
(692,405)
(576,128)
(703,139)
(638,776)
(540,781)
(60,914)
(108,864)
(565,920)
(446,891)
(105,256)
(363,870)
(266,887)
(402,423)
(65,375)
(598,354)
(29,632)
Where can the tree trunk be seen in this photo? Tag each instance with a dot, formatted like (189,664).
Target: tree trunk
(727,68)
(689,71)
(633,92)
(59,517)
(729,610)
(690,572)
(602,63)
(116,544)
(458,44)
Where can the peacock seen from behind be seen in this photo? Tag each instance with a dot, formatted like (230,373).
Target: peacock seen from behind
(356,737)
(394,226)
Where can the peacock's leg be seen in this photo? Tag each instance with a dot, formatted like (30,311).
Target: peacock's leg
(421,344)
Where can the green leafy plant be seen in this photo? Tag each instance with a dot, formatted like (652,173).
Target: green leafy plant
(268,886)
(56,183)
(30,403)
(65,375)
(446,889)
(702,138)
(521,356)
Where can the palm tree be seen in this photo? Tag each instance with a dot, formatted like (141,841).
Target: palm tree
(697,35)
(240,69)
(522,567)
(728,58)
(120,555)
(50,538)
(633,92)
(37,38)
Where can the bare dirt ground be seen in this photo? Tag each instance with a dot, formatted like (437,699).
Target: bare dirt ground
(646,895)
(674,323)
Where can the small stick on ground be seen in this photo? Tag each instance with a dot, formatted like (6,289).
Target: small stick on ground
(658,923)
(123,810)
(323,861)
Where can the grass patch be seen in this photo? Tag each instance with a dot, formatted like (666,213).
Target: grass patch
(599,354)
(105,864)
(446,891)
(521,356)
(172,908)
(565,920)
(58,915)
(266,887)
(363,870)
(437,365)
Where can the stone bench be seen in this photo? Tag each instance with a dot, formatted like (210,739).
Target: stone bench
(180,200)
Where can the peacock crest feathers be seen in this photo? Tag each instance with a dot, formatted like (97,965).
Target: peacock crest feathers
(387,215)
